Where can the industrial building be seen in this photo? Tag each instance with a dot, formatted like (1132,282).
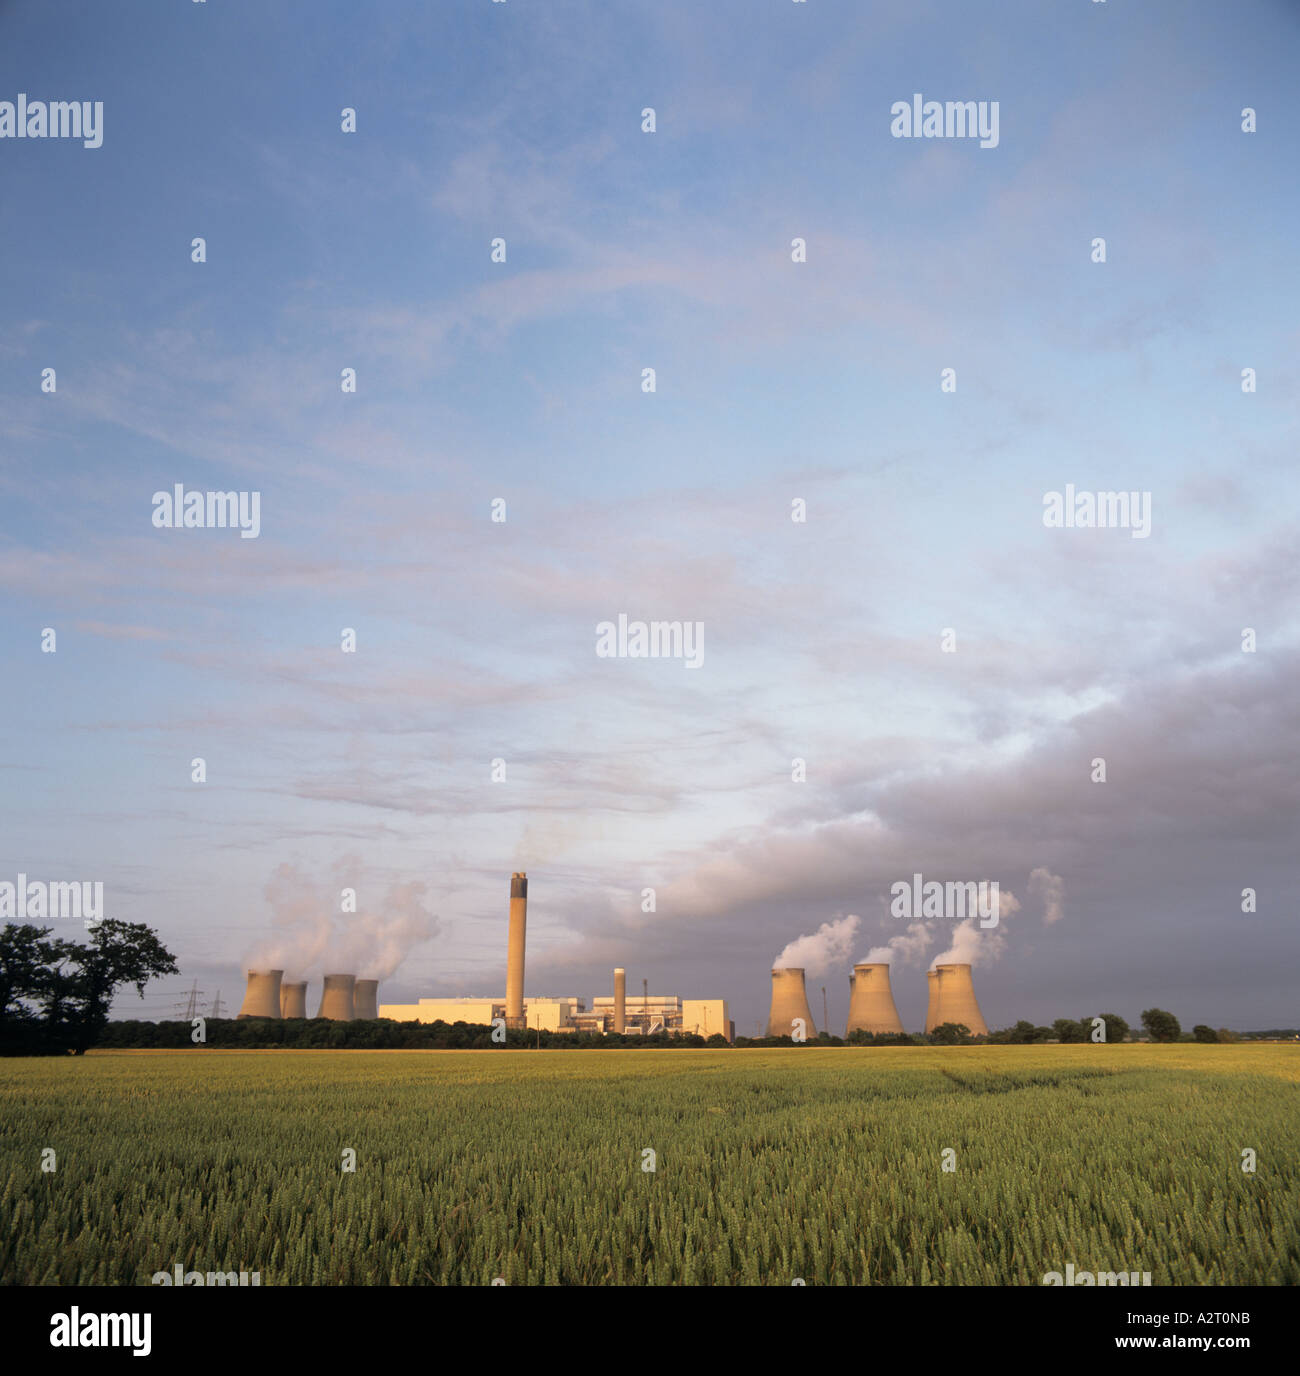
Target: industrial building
(550,1014)
(871,1000)
(293,999)
(643,1017)
(952,999)
(790,1004)
(262,996)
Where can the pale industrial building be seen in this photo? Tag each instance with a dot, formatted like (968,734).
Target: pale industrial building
(551,1015)
(644,1016)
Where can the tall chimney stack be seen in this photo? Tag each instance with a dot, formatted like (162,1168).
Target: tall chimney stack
(293,999)
(620,1000)
(262,996)
(336,998)
(515,950)
(365,998)
(789,1001)
(957,1000)
(871,1002)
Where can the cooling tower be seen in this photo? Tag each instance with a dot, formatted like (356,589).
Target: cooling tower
(789,1001)
(336,998)
(957,1000)
(293,999)
(365,999)
(515,950)
(620,1000)
(262,997)
(871,1002)
(932,1008)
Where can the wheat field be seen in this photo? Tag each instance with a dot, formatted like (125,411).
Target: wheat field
(769,1166)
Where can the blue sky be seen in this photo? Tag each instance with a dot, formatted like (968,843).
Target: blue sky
(775,380)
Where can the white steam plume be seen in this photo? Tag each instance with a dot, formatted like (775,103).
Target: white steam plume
(910,946)
(1051,887)
(831,942)
(310,933)
(976,945)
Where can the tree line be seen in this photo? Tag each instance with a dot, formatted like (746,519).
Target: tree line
(55,995)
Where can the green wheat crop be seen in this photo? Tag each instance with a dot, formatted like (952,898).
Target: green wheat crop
(770,1165)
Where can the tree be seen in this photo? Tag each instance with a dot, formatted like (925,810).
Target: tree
(1227,1035)
(1116,1027)
(1161,1026)
(1067,1030)
(950,1034)
(28,961)
(1202,1033)
(82,986)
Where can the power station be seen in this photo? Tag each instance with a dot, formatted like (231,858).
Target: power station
(293,999)
(262,997)
(365,998)
(871,1000)
(789,1003)
(336,998)
(872,1010)
(952,999)
(646,1016)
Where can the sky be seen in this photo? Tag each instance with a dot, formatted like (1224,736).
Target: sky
(776,381)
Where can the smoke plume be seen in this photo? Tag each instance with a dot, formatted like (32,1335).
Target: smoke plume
(1051,887)
(311,934)
(831,942)
(910,946)
(976,945)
